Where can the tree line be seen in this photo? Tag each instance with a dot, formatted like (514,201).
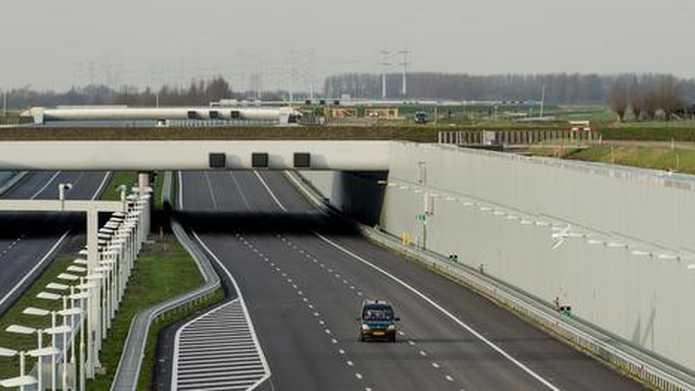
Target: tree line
(647,96)
(644,95)
(560,88)
(198,92)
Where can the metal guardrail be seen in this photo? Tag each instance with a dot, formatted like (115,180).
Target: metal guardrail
(605,347)
(628,360)
(128,371)
(517,137)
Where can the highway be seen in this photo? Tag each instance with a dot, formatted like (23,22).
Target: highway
(29,241)
(303,275)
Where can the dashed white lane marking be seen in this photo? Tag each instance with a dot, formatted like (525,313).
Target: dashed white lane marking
(441,309)
(358,375)
(238,346)
(334,341)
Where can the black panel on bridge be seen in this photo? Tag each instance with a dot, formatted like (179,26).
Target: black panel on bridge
(218,160)
(302,160)
(259,160)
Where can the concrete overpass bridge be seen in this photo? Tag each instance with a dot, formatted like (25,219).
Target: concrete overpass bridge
(148,155)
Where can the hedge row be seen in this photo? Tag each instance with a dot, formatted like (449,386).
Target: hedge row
(649,134)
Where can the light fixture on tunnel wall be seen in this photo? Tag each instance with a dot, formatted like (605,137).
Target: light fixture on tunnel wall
(259,160)
(218,160)
(302,160)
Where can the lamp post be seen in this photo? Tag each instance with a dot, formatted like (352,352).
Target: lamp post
(22,381)
(62,187)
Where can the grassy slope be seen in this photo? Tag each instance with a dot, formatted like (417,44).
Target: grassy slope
(164,270)
(10,367)
(118,178)
(657,157)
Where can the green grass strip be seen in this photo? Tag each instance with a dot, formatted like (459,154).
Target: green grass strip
(163,271)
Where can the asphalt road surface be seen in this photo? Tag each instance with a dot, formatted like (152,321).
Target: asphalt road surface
(303,276)
(28,241)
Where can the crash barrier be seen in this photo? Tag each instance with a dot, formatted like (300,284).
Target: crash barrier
(517,137)
(129,366)
(626,359)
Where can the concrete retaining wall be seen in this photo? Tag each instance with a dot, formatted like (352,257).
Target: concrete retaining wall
(622,266)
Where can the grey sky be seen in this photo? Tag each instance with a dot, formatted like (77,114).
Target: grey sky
(51,44)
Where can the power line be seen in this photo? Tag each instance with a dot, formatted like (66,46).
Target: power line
(405,63)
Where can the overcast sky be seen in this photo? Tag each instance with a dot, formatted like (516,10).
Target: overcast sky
(54,44)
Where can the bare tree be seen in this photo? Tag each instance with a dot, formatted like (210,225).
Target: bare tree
(670,98)
(636,98)
(618,99)
(651,103)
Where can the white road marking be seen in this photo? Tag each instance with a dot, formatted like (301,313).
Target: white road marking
(448,314)
(46,185)
(265,371)
(33,269)
(57,244)
(212,193)
(272,195)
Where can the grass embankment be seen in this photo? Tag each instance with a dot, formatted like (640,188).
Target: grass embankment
(427,133)
(163,271)
(655,157)
(10,367)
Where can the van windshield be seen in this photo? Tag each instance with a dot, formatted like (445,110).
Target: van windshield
(377,313)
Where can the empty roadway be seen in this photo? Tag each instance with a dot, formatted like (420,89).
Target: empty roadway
(28,241)
(303,276)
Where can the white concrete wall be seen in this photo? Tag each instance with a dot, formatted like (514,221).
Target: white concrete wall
(603,274)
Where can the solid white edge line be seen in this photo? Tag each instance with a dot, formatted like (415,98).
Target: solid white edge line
(442,310)
(103,183)
(180,188)
(433,303)
(266,367)
(58,242)
(272,195)
(177,342)
(30,272)
(46,185)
